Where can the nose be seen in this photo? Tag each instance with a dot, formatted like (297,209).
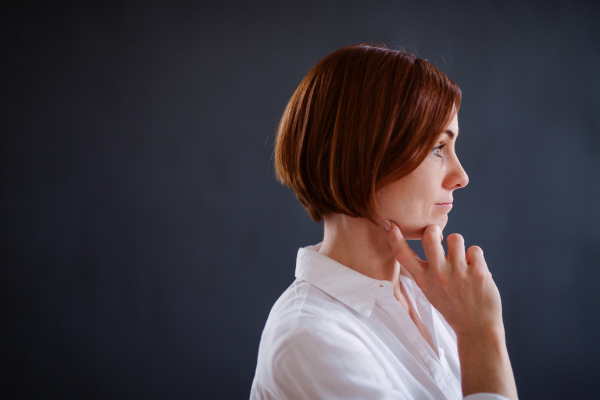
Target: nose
(457,177)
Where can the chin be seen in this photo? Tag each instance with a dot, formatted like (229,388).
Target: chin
(416,233)
(442,224)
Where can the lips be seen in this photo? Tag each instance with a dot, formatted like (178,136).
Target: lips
(447,205)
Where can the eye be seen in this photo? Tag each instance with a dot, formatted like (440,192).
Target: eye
(437,150)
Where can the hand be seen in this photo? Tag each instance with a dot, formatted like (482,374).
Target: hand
(459,286)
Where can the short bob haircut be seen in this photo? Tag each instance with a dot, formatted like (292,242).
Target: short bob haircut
(362,118)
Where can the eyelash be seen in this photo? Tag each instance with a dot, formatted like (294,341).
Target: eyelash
(437,149)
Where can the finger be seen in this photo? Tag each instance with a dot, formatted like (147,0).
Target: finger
(474,255)
(402,251)
(432,245)
(477,265)
(456,250)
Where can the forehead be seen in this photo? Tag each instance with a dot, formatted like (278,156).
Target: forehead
(452,128)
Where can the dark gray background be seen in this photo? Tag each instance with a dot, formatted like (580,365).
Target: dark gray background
(144,237)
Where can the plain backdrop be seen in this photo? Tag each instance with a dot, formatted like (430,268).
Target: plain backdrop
(144,237)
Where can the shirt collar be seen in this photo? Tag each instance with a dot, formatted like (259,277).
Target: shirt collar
(352,288)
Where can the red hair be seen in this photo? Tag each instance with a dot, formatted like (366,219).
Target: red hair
(362,118)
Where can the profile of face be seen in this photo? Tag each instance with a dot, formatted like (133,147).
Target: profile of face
(424,197)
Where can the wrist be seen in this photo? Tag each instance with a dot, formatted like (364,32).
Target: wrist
(485,364)
(490,333)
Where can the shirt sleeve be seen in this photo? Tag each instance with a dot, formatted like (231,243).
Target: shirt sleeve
(324,364)
(485,396)
(331,363)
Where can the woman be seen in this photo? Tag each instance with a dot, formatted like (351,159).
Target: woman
(367,142)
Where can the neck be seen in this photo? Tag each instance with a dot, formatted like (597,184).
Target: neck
(362,246)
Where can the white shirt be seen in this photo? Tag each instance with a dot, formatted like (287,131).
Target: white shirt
(338,334)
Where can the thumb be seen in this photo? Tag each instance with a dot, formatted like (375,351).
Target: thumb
(402,251)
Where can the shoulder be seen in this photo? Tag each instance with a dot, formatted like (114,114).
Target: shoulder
(306,322)
(312,348)
(304,309)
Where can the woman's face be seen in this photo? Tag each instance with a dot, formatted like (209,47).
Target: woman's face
(424,197)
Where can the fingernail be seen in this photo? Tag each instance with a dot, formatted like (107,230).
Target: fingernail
(386,225)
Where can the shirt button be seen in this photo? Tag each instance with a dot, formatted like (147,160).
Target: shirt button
(441,352)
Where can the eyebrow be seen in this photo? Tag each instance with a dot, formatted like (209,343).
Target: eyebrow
(450,133)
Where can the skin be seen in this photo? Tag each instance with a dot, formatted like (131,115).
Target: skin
(459,285)
(413,202)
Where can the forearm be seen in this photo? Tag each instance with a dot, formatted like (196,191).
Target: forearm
(485,365)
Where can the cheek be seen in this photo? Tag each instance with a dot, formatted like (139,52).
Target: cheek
(419,208)
(397,205)
(412,198)
(390,201)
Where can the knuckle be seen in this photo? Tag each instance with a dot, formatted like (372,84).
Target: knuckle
(463,278)
(438,277)
(455,259)
(478,273)
(437,280)
(428,240)
(401,258)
